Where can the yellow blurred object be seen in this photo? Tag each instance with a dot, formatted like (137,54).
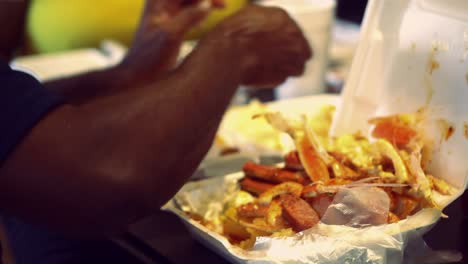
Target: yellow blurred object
(240,128)
(231,7)
(239,125)
(321,123)
(57,25)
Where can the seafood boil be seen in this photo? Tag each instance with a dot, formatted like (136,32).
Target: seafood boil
(282,200)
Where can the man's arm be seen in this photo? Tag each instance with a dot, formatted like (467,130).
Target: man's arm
(107,156)
(153,53)
(96,167)
(12,19)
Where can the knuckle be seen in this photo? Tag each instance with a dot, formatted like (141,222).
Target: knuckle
(295,29)
(310,53)
(300,70)
(279,12)
(292,30)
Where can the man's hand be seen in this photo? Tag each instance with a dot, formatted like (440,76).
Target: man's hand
(163,26)
(154,52)
(269,43)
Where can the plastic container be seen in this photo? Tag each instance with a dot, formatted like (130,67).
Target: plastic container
(413,55)
(315,17)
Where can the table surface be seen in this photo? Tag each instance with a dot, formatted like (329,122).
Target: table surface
(162,238)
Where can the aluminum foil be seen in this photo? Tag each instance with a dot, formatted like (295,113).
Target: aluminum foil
(325,243)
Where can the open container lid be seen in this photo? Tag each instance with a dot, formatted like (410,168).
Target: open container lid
(413,54)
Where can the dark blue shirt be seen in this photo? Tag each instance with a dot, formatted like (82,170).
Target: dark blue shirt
(23,102)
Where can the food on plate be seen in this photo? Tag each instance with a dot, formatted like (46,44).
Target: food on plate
(240,130)
(292,197)
(244,131)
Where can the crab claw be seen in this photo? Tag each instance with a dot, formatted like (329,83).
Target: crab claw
(313,157)
(315,167)
(388,150)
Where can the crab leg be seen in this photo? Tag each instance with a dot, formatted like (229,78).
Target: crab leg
(388,150)
(313,157)
(315,167)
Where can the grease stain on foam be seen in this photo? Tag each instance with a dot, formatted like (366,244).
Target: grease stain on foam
(432,66)
(422,111)
(466,78)
(429,88)
(398,100)
(447,129)
(465,44)
(440,45)
(466,130)
(413,47)
(426,154)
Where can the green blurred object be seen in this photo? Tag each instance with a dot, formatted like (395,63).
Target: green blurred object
(231,7)
(58,25)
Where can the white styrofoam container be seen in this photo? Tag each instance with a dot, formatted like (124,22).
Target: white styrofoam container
(413,54)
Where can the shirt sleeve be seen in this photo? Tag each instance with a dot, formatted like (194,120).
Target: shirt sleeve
(23,102)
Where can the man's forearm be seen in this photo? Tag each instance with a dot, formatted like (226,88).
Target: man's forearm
(84,87)
(173,117)
(113,159)
(131,73)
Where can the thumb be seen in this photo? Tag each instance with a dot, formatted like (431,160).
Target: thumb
(157,6)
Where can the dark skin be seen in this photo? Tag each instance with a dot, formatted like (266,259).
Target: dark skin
(12,14)
(129,137)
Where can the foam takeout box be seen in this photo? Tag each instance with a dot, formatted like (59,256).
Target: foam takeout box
(413,55)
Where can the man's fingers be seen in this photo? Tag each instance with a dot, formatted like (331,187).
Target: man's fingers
(218,3)
(179,14)
(155,7)
(174,6)
(189,2)
(187,19)
(213,3)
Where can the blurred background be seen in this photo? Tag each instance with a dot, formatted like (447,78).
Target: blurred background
(351,10)
(86,38)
